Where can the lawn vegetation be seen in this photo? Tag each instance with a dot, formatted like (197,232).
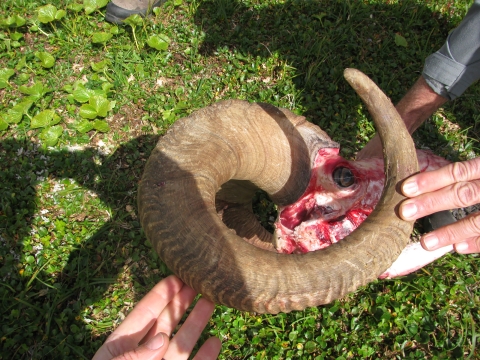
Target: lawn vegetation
(82,103)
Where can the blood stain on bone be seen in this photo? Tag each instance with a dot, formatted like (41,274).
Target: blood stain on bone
(326,213)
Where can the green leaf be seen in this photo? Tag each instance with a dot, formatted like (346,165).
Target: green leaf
(101,37)
(100,66)
(56,119)
(51,134)
(88,111)
(400,40)
(21,63)
(46,59)
(99,92)
(179,91)
(84,126)
(16,36)
(310,346)
(36,91)
(75,7)
(181,105)
(15,114)
(19,21)
(3,123)
(134,20)
(101,105)
(319,16)
(177,2)
(68,88)
(168,115)
(13,117)
(82,95)
(42,119)
(101,125)
(60,14)
(106,86)
(46,13)
(5,74)
(24,77)
(14,21)
(98,104)
(164,38)
(158,42)
(92,5)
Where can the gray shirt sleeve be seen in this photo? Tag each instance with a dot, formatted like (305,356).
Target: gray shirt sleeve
(453,68)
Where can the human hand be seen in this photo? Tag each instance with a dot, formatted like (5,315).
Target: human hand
(152,322)
(456,185)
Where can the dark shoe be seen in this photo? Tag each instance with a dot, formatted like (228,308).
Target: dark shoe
(119,10)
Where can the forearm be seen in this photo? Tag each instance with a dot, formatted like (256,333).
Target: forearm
(415,107)
(419,104)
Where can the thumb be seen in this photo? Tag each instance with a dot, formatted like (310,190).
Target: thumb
(153,349)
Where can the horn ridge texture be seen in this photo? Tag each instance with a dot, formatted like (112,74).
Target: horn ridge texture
(274,149)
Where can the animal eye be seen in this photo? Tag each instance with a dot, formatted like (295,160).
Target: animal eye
(343,177)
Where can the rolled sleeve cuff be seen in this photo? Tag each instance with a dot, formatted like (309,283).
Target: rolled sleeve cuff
(447,77)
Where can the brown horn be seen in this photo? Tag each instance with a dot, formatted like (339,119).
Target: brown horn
(274,149)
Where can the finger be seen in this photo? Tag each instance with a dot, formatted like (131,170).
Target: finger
(470,246)
(149,308)
(463,230)
(437,179)
(154,349)
(137,324)
(209,350)
(454,196)
(183,342)
(173,312)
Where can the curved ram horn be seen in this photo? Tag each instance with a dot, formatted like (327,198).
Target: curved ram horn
(274,149)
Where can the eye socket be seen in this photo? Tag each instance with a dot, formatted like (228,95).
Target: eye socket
(343,177)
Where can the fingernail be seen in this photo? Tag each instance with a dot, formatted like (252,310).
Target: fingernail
(408,210)
(462,247)
(430,241)
(410,187)
(156,342)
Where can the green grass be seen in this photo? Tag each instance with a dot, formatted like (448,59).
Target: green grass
(83,102)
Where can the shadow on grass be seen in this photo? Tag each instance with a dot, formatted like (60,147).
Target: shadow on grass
(322,38)
(84,252)
(91,246)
